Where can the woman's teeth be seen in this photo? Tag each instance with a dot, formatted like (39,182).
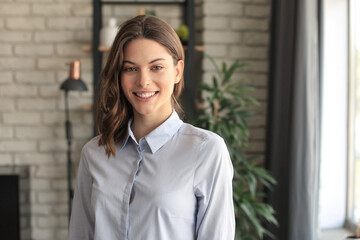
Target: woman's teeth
(145,95)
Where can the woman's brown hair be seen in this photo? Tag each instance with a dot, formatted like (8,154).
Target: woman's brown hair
(113,109)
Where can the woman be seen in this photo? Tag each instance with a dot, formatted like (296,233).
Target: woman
(148,175)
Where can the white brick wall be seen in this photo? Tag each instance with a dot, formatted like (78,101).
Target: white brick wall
(12,63)
(38,38)
(34,50)
(20,118)
(25,23)
(15,36)
(6,77)
(5,50)
(239,29)
(14,9)
(54,36)
(225,8)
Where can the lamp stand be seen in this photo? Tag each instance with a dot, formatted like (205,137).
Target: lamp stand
(69,138)
(72,83)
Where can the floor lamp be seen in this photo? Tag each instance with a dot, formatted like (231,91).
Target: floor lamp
(72,83)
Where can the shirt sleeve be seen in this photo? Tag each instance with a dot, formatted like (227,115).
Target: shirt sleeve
(82,217)
(213,190)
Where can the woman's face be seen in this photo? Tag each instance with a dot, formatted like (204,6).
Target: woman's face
(148,77)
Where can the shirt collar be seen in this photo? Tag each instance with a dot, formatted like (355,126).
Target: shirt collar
(160,135)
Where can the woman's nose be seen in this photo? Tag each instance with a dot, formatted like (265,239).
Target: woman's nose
(144,78)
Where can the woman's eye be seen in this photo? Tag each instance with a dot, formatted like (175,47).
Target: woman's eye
(157,67)
(129,69)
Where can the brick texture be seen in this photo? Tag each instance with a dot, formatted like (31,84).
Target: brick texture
(5,50)
(38,39)
(14,9)
(239,30)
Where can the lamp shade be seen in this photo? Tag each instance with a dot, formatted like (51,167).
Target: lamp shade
(73,82)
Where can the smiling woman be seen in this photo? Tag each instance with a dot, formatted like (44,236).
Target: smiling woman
(149,175)
(148,78)
(118,113)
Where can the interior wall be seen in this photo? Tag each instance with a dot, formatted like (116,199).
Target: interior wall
(38,39)
(240,30)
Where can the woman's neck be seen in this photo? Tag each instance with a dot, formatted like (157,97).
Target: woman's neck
(143,125)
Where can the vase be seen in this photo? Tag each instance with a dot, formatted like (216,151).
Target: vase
(108,33)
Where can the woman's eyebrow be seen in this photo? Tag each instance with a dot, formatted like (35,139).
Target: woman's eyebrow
(152,61)
(127,61)
(157,59)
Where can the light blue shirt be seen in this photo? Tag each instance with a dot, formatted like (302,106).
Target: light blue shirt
(175,184)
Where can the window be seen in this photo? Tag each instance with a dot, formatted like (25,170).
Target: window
(339,203)
(354,112)
(334,115)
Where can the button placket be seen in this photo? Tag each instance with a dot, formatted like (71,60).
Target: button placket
(135,174)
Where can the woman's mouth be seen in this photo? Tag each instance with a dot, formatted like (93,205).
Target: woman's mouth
(145,95)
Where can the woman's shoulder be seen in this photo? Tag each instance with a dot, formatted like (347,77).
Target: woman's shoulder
(92,145)
(92,142)
(211,148)
(204,135)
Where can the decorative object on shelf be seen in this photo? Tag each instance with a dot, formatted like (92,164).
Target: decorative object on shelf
(108,33)
(72,83)
(87,48)
(143,11)
(225,112)
(183,33)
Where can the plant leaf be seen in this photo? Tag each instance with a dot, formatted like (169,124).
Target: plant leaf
(214,64)
(228,108)
(230,72)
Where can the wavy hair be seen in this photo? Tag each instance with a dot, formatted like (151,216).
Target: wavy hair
(113,109)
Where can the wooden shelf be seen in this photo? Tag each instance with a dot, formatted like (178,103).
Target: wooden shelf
(88,48)
(199,48)
(87,107)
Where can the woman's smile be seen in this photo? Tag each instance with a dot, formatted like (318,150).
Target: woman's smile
(145,96)
(148,78)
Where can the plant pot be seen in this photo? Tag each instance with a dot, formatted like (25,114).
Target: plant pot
(351,237)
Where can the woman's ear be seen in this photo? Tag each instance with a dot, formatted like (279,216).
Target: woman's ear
(179,69)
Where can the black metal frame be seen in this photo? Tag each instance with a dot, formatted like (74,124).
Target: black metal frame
(189,20)
(68,130)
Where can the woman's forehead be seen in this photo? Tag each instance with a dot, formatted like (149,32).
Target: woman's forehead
(145,51)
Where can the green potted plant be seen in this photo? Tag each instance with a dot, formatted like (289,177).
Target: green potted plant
(225,112)
(183,33)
